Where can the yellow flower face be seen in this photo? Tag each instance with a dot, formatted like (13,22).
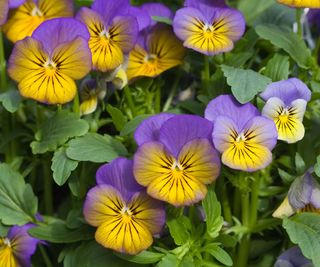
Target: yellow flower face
(26,18)
(7,258)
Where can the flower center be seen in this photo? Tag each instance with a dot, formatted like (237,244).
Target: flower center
(104,37)
(126,214)
(284,116)
(50,67)
(36,12)
(151,58)
(310,208)
(240,141)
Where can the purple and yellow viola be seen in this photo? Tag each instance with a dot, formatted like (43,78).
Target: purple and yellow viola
(293,257)
(125,216)
(46,64)
(175,159)
(241,134)
(29,14)
(208,27)
(113,32)
(17,247)
(157,49)
(286,103)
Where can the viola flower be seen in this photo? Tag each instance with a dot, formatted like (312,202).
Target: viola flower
(175,159)
(27,17)
(293,257)
(159,51)
(207,27)
(46,64)
(286,103)
(113,32)
(157,10)
(303,196)
(301,3)
(244,138)
(126,217)
(17,247)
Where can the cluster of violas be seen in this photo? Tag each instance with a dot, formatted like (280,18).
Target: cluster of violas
(178,155)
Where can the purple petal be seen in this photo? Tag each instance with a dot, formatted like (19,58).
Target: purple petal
(24,245)
(287,90)
(142,16)
(198,3)
(119,174)
(148,130)
(15,3)
(4,8)
(181,129)
(109,9)
(292,257)
(53,32)
(226,105)
(157,9)
(300,191)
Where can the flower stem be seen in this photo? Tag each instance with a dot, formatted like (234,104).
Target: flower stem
(157,105)
(45,256)
(76,104)
(299,12)
(129,99)
(3,74)
(47,190)
(206,74)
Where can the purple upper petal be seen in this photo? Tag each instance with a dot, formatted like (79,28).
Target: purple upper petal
(300,191)
(142,16)
(226,105)
(15,3)
(157,9)
(181,129)
(4,8)
(314,17)
(24,245)
(148,130)
(287,90)
(53,32)
(119,174)
(198,3)
(293,257)
(108,9)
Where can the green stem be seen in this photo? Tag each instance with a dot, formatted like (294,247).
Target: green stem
(76,104)
(245,208)
(299,12)
(3,74)
(226,209)
(254,200)
(129,99)
(157,105)
(172,93)
(206,74)
(48,201)
(236,203)
(45,256)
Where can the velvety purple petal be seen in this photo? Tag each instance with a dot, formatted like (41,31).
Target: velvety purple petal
(226,105)
(148,130)
(24,245)
(197,3)
(300,191)
(142,16)
(157,9)
(314,17)
(15,3)
(181,129)
(315,193)
(119,174)
(293,257)
(4,8)
(287,90)
(109,9)
(53,32)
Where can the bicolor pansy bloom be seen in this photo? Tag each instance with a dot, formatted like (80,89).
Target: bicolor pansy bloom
(303,196)
(207,27)
(175,159)
(17,247)
(244,138)
(301,3)
(27,17)
(286,103)
(293,257)
(113,32)
(125,216)
(46,64)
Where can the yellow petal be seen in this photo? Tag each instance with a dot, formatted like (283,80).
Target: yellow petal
(89,105)
(301,3)
(284,210)
(6,255)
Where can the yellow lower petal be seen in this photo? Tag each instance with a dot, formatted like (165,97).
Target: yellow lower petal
(6,256)
(289,129)
(89,105)
(301,3)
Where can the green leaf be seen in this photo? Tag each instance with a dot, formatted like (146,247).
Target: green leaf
(245,84)
(304,230)
(300,164)
(131,126)
(237,59)
(144,257)
(288,41)
(119,120)
(169,260)
(219,254)
(317,167)
(253,8)
(278,68)
(11,100)
(180,229)
(18,204)
(92,254)
(212,209)
(59,233)
(57,130)
(62,166)
(95,148)
(162,19)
